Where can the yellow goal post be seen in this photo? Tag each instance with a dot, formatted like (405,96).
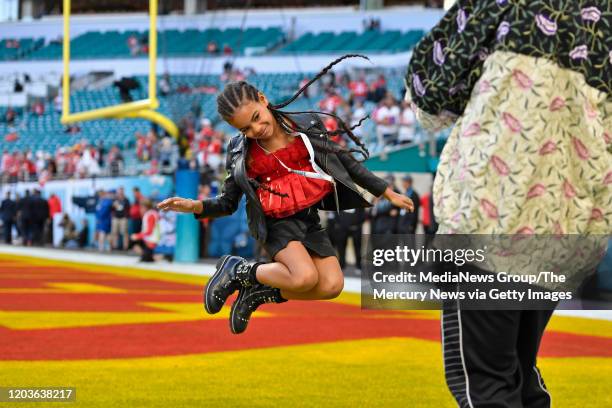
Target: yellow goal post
(143,109)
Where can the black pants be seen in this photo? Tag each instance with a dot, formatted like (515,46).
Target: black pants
(342,241)
(147,253)
(490,357)
(8,229)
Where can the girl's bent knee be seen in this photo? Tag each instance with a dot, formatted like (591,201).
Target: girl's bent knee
(305,281)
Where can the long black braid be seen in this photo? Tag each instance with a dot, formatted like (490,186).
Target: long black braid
(236,93)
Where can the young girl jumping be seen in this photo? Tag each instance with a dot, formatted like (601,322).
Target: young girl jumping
(288,168)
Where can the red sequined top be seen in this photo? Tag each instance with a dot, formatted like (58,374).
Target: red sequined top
(303,192)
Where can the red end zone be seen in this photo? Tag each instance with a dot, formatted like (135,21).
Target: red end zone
(45,310)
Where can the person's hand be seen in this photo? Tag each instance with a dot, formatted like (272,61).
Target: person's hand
(398,200)
(133,237)
(183,205)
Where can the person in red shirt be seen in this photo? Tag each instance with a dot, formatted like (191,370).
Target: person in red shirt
(273,163)
(359,89)
(146,240)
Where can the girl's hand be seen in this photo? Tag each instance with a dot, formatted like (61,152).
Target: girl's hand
(398,200)
(183,205)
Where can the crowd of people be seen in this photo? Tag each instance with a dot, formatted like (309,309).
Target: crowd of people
(80,160)
(120,224)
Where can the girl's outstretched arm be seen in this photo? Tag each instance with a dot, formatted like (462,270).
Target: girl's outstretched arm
(225,203)
(374,184)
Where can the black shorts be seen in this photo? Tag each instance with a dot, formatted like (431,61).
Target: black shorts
(304,226)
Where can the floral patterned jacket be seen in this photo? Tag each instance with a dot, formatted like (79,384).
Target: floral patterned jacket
(527,85)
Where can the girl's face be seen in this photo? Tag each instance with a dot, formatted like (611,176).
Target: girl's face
(254,119)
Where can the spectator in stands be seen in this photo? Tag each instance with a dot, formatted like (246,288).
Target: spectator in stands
(115,161)
(408,221)
(8,214)
(133,46)
(387,118)
(359,89)
(88,164)
(407,124)
(168,156)
(57,102)
(147,239)
(10,116)
(378,89)
(103,219)
(38,108)
(212,47)
(164,85)
(331,101)
(120,212)
(100,153)
(227,49)
(358,112)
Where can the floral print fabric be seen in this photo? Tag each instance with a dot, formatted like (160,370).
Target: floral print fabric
(531,154)
(531,150)
(576,34)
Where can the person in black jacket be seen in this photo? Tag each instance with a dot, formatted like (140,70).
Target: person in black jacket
(8,212)
(40,214)
(349,223)
(25,216)
(298,171)
(408,221)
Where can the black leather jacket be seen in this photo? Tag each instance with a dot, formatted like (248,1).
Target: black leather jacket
(343,167)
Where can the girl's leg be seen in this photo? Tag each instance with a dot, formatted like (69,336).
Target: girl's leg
(294,269)
(329,284)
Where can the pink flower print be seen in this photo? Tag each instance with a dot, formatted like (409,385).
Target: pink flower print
(536,191)
(489,208)
(461,20)
(608,179)
(512,122)
(547,148)
(596,214)
(590,14)
(525,231)
(500,166)
(557,229)
(472,130)
(523,81)
(607,138)
(581,149)
(590,110)
(438,53)
(580,52)
(456,217)
(547,26)
(568,189)
(557,104)
(484,86)
(456,156)
(418,85)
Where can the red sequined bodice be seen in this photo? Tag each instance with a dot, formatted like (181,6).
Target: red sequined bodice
(303,192)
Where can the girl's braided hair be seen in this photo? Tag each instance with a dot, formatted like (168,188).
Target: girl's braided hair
(236,93)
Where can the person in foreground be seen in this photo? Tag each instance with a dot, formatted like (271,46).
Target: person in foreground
(527,86)
(288,168)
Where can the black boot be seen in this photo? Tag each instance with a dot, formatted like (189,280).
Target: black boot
(249,299)
(233,272)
